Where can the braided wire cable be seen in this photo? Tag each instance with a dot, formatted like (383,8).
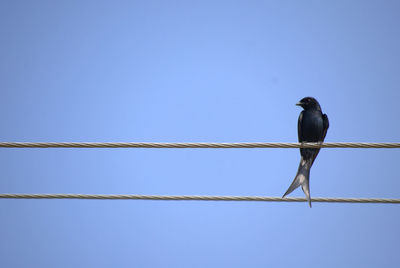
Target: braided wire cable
(199,198)
(197,145)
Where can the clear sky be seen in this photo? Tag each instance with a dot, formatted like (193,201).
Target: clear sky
(197,71)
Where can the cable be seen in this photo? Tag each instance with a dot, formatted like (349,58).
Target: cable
(200,198)
(196,145)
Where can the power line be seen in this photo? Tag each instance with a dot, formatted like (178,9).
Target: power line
(197,145)
(199,198)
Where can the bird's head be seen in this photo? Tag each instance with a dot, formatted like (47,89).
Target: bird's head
(309,103)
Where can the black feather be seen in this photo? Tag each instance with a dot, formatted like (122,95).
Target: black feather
(312,126)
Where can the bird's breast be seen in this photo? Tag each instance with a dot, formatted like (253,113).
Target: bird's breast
(312,127)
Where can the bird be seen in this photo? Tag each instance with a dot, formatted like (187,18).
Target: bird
(312,126)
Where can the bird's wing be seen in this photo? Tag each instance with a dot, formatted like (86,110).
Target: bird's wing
(326,125)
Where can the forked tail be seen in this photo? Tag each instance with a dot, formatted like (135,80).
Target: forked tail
(302,179)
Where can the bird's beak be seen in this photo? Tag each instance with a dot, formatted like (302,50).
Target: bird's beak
(299,103)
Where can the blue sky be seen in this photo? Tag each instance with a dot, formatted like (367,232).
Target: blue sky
(197,71)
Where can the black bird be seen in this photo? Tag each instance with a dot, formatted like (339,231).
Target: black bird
(311,127)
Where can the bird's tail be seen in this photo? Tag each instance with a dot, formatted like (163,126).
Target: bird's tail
(302,178)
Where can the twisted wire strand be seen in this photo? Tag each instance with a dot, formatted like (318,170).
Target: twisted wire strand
(197,145)
(199,198)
